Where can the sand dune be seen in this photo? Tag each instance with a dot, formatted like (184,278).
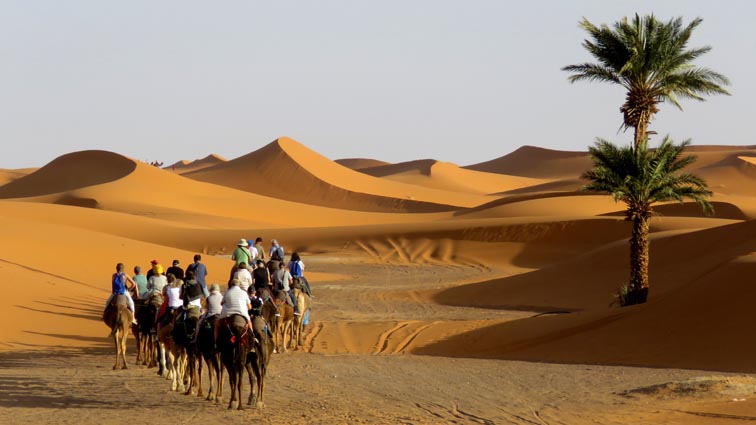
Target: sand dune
(578,204)
(360,163)
(186,166)
(705,324)
(447,176)
(288,170)
(8,175)
(591,281)
(531,161)
(135,188)
(68,172)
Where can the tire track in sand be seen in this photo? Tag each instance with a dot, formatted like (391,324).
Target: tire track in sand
(310,338)
(383,341)
(407,341)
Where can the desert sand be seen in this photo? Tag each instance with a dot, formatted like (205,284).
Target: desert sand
(444,293)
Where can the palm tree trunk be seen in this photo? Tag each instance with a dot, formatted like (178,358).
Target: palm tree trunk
(641,132)
(639,249)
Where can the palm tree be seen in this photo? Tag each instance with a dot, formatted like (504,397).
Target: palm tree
(640,177)
(651,60)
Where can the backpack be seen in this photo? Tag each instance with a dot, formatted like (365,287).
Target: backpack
(277,254)
(192,290)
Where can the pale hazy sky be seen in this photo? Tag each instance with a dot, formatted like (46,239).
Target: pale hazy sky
(460,81)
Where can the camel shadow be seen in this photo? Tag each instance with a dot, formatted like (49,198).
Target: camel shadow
(19,391)
(102,341)
(93,316)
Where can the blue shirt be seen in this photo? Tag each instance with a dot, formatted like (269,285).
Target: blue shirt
(119,283)
(200,272)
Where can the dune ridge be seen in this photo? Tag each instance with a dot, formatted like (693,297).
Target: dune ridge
(71,171)
(286,169)
(8,175)
(135,188)
(448,176)
(360,163)
(185,166)
(532,161)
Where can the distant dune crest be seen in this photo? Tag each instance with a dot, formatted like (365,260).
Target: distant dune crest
(71,171)
(360,163)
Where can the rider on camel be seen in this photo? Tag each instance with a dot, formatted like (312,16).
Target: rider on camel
(119,282)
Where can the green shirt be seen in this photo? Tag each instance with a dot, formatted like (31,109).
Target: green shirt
(241,255)
(141,282)
(260,251)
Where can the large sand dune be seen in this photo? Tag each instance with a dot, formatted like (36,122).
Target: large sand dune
(288,170)
(139,189)
(700,318)
(450,177)
(68,172)
(531,161)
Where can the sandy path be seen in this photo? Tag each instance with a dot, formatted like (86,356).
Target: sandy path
(81,388)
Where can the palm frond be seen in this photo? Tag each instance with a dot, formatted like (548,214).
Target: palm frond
(651,59)
(641,177)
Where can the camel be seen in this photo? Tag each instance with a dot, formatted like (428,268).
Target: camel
(147,340)
(118,317)
(173,359)
(303,304)
(183,337)
(235,340)
(284,325)
(257,361)
(206,347)
(138,336)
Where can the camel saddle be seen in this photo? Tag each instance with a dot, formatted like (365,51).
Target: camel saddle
(109,315)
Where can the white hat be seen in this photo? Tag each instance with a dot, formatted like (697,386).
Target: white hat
(243,242)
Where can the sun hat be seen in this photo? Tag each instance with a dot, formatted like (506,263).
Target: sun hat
(242,242)
(153,262)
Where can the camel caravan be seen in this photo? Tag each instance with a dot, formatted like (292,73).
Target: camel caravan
(180,324)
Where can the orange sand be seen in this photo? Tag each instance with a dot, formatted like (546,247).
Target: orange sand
(455,261)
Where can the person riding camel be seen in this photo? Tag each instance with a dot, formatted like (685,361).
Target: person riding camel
(261,278)
(260,248)
(172,300)
(191,292)
(141,283)
(240,255)
(119,283)
(244,276)
(151,271)
(282,281)
(296,267)
(157,281)
(254,251)
(214,307)
(176,270)
(200,272)
(235,301)
(276,251)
